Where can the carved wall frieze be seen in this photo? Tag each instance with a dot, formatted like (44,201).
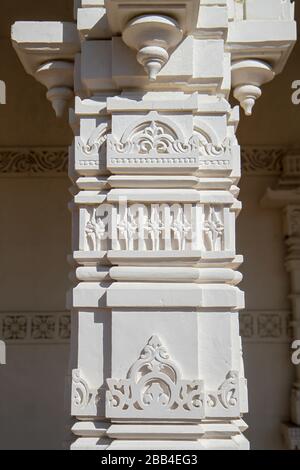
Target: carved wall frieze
(269,326)
(33,161)
(35,328)
(262,161)
(155,227)
(53,161)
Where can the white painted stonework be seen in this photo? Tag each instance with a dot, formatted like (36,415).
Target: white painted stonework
(2,352)
(156,356)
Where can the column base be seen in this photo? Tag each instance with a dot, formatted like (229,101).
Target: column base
(204,436)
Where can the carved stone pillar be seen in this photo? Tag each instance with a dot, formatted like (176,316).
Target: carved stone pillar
(286,197)
(156,353)
(2,353)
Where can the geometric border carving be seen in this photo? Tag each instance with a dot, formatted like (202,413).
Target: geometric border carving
(35,328)
(266,326)
(257,326)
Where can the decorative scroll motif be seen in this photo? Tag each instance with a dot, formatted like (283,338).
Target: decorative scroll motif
(35,328)
(154,388)
(213,229)
(81,394)
(227,394)
(33,161)
(96,140)
(156,138)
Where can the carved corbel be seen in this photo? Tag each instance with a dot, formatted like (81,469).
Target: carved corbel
(247,78)
(153,28)
(152,36)
(260,39)
(47,51)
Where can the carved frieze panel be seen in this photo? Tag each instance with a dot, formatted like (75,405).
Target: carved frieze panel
(156,144)
(261,326)
(154,387)
(53,161)
(157,227)
(34,161)
(35,328)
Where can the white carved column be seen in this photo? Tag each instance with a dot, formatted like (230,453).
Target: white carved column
(286,197)
(156,354)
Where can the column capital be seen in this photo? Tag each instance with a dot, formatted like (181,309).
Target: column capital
(47,51)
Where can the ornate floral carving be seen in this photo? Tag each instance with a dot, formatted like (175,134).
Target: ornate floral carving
(14,327)
(33,161)
(257,326)
(43,327)
(155,138)
(246,325)
(265,326)
(95,230)
(154,388)
(213,230)
(181,228)
(64,327)
(161,227)
(154,227)
(262,160)
(53,161)
(270,326)
(127,227)
(33,328)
